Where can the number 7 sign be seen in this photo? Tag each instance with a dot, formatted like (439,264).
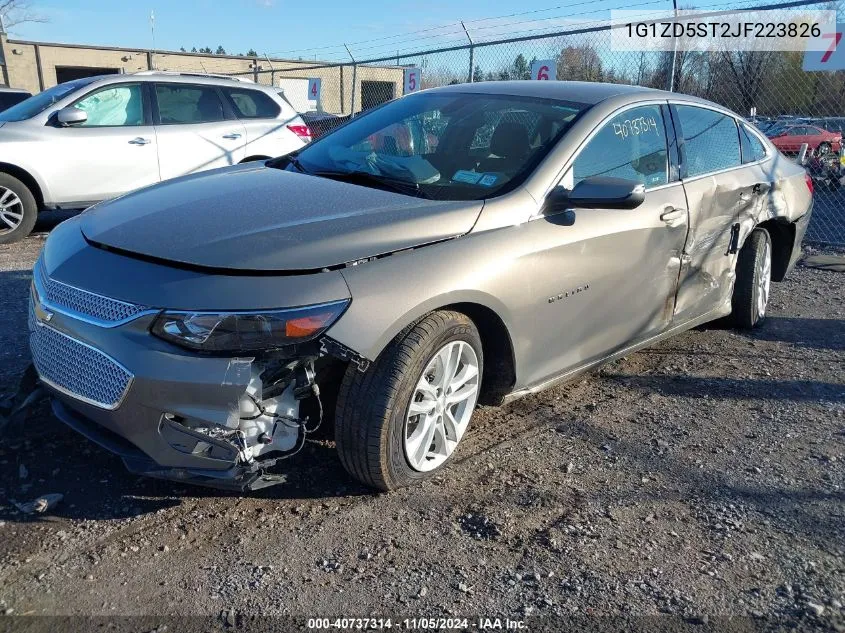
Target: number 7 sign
(833,55)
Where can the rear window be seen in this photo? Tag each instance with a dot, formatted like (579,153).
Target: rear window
(252,104)
(752,148)
(8,99)
(179,103)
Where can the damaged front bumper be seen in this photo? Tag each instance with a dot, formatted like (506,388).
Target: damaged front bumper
(169,413)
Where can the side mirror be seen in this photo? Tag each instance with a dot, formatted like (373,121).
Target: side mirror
(71,116)
(598,192)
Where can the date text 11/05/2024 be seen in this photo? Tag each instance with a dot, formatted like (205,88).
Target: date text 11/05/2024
(430,624)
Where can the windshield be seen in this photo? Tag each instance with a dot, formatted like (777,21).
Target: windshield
(446,146)
(43,100)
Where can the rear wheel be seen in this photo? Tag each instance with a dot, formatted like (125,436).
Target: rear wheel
(753,281)
(18,210)
(823,149)
(401,421)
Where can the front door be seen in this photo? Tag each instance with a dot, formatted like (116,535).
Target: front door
(609,278)
(112,152)
(195,130)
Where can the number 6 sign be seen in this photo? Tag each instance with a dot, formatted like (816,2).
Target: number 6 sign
(413,78)
(544,70)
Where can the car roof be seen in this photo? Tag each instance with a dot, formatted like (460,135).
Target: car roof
(185,78)
(578,91)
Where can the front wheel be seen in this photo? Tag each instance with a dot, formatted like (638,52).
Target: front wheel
(753,280)
(18,210)
(823,149)
(401,421)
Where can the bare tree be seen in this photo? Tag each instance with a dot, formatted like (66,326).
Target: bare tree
(15,12)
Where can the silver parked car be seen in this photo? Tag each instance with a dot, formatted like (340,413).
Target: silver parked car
(463,245)
(90,139)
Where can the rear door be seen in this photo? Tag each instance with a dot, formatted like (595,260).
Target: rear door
(271,130)
(723,195)
(112,152)
(196,129)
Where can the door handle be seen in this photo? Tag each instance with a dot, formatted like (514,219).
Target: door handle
(674,216)
(232,135)
(140,141)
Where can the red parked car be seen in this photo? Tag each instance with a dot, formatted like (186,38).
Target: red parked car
(789,138)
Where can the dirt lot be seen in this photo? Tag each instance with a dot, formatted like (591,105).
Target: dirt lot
(701,477)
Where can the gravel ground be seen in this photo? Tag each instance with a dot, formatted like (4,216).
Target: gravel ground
(702,477)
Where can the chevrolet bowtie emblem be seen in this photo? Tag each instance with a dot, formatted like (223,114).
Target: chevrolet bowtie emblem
(42,314)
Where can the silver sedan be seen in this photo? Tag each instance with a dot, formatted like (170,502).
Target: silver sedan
(463,245)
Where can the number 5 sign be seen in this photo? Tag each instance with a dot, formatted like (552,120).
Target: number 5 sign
(413,77)
(314,89)
(544,70)
(832,57)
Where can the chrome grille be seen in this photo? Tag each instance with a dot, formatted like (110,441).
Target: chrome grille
(81,302)
(77,369)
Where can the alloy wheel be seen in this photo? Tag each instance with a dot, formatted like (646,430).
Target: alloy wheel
(441,406)
(11,210)
(764,280)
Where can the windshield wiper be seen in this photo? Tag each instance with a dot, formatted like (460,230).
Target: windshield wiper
(284,161)
(397,185)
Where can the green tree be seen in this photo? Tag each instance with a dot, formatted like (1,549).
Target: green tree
(194,49)
(251,53)
(220,51)
(520,68)
(477,73)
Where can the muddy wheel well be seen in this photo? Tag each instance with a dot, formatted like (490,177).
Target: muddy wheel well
(499,368)
(782,234)
(26,178)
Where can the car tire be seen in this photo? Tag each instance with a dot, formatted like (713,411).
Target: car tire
(376,428)
(18,210)
(753,280)
(823,149)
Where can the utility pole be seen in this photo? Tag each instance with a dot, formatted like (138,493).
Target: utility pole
(354,80)
(153,33)
(471,53)
(674,49)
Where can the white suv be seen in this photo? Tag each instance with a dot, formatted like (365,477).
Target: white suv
(95,138)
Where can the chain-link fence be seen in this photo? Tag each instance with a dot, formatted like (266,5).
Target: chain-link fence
(771,84)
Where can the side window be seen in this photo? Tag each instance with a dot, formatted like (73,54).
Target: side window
(811,131)
(631,145)
(711,140)
(116,105)
(253,104)
(179,103)
(752,149)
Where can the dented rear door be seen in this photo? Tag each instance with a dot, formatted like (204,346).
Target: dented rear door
(719,190)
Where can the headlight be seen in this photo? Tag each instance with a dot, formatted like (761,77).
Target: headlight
(247,331)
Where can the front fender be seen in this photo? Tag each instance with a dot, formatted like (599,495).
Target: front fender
(391,293)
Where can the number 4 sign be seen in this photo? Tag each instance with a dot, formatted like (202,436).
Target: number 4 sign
(413,77)
(314,90)
(833,55)
(544,70)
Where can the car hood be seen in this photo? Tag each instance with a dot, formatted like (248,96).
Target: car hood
(256,218)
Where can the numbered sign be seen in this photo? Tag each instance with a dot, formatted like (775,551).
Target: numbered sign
(833,55)
(314,90)
(413,78)
(544,70)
